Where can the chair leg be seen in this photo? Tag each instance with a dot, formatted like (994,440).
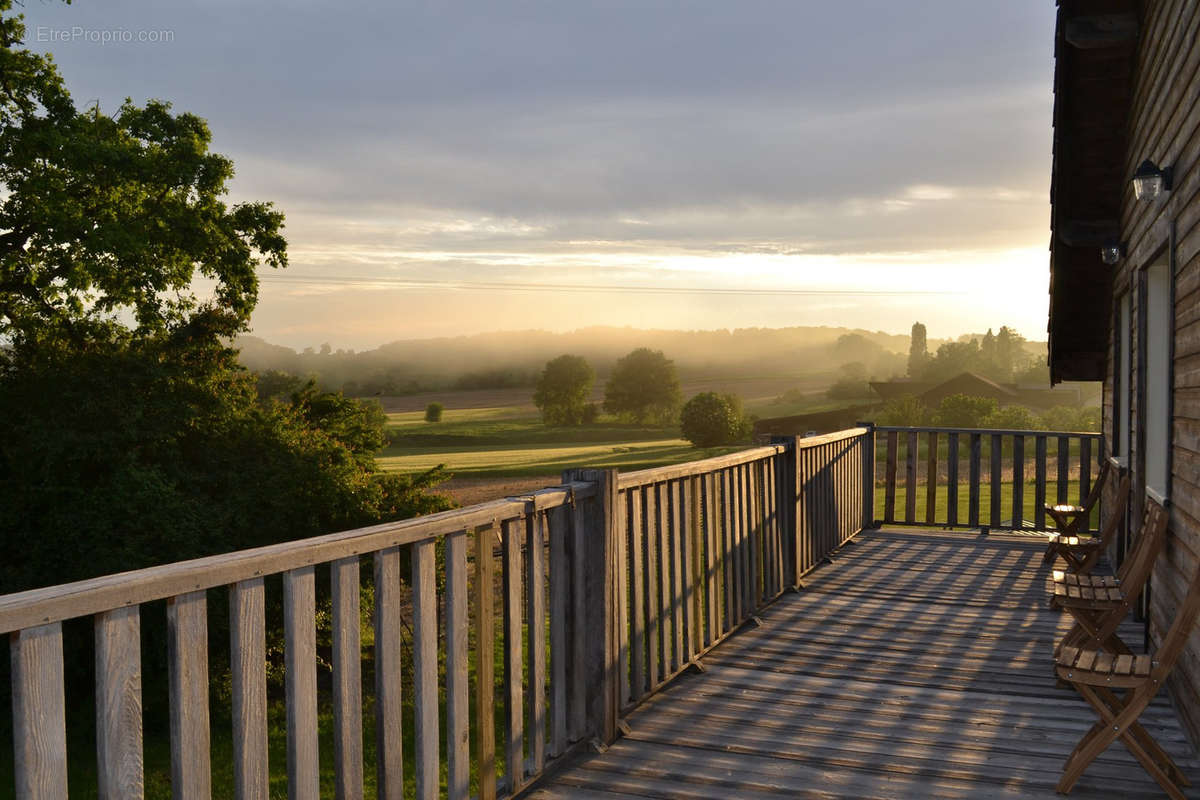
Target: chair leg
(1117,721)
(1142,736)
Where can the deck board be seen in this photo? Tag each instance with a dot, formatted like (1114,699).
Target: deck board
(917,665)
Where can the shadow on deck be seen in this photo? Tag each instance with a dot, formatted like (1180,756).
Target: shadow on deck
(917,665)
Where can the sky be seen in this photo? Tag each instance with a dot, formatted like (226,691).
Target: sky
(461,167)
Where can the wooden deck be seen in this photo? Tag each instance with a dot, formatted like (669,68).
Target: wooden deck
(916,665)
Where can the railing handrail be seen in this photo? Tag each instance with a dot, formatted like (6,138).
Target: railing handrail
(96,595)
(829,438)
(989,431)
(644,477)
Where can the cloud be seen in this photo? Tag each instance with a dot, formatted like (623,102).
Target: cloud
(610,139)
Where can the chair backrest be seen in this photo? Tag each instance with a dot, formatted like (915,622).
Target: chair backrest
(1117,513)
(1136,570)
(1181,628)
(1097,487)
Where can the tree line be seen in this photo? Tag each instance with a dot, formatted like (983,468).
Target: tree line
(643,388)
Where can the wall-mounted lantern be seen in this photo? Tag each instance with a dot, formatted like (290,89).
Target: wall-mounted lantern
(1150,181)
(1112,252)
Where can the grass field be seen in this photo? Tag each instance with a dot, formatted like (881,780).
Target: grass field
(508,441)
(1028,505)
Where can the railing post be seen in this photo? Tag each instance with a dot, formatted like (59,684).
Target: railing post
(600,542)
(868,475)
(786,498)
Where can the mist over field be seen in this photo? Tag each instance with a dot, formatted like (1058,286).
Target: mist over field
(514,358)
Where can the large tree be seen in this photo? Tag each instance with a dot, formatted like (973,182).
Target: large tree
(563,389)
(107,220)
(643,387)
(130,434)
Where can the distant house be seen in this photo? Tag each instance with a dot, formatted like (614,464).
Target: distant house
(975,385)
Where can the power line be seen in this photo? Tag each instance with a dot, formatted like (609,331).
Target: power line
(517,286)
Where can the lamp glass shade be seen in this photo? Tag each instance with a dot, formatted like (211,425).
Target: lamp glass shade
(1110,254)
(1147,187)
(1149,181)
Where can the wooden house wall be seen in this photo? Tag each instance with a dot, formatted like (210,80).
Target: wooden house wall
(1164,125)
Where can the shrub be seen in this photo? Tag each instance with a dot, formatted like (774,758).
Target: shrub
(965,411)
(433,412)
(1016,418)
(907,410)
(710,419)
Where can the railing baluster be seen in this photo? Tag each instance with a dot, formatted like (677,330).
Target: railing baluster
(910,478)
(771,489)
(691,531)
(578,705)
(300,663)
(889,490)
(347,679)
(622,610)
(744,533)
(1039,489)
(637,578)
(389,708)
(535,592)
(119,705)
(514,672)
(559,609)
(1085,473)
(662,542)
(712,617)
(248,654)
(458,724)
(1064,470)
(39,713)
(653,602)
(952,479)
(728,548)
(425,670)
(803,514)
(931,479)
(973,488)
(187,648)
(1018,493)
(675,491)
(997,452)
(485,672)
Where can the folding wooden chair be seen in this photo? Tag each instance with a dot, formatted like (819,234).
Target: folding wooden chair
(1100,602)
(1096,674)
(1068,517)
(1082,552)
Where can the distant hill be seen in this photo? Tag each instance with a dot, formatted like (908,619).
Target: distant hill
(510,359)
(513,358)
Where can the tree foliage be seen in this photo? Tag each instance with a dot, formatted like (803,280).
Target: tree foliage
(433,412)
(906,410)
(131,436)
(563,389)
(134,456)
(851,384)
(965,411)
(106,220)
(710,419)
(643,387)
(918,350)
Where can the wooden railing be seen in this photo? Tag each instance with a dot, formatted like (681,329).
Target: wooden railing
(598,590)
(999,479)
(703,546)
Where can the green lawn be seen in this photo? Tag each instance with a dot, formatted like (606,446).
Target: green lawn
(505,442)
(985,500)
